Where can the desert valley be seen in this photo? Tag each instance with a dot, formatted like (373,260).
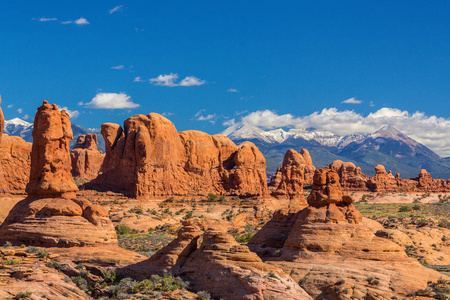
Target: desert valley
(164,214)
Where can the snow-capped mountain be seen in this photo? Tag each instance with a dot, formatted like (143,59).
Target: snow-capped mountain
(278,136)
(19,127)
(387,146)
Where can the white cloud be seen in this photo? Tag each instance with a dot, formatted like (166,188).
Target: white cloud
(229,123)
(47,19)
(352,101)
(371,104)
(80,21)
(200,117)
(138,79)
(170,80)
(191,81)
(26,117)
(9,106)
(431,131)
(115,9)
(111,101)
(19,110)
(119,67)
(167,114)
(73,114)
(232,91)
(80,103)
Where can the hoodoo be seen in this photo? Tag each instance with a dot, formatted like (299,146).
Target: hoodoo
(51,215)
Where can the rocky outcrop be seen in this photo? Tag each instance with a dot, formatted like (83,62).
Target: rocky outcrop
(331,253)
(14,161)
(296,170)
(52,215)
(15,164)
(221,266)
(85,157)
(351,177)
(152,159)
(50,159)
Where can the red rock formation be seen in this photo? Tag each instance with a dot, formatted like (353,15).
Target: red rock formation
(85,157)
(297,169)
(351,177)
(329,250)
(220,266)
(152,159)
(50,158)
(51,215)
(15,161)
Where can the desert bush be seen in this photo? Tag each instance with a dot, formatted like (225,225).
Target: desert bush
(123,229)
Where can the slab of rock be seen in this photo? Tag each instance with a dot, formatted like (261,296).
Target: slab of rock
(296,170)
(151,158)
(332,254)
(50,159)
(86,158)
(220,266)
(351,177)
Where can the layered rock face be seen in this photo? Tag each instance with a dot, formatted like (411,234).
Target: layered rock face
(221,266)
(51,215)
(297,170)
(85,157)
(152,159)
(329,250)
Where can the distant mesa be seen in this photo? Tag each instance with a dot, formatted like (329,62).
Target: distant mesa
(52,215)
(151,158)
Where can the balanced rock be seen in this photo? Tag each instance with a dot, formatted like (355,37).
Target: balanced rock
(331,253)
(151,158)
(220,266)
(51,215)
(50,159)
(85,157)
(297,169)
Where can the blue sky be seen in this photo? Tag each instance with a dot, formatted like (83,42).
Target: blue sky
(232,59)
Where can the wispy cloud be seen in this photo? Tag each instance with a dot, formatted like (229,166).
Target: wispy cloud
(111,101)
(352,100)
(200,117)
(19,110)
(138,79)
(115,9)
(232,91)
(431,131)
(9,106)
(80,21)
(169,80)
(47,19)
(26,117)
(229,123)
(371,104)
(119,67)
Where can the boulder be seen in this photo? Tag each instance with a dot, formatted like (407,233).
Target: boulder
(151,158)
(351,177)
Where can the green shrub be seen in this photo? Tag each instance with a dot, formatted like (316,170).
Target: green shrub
(404,208)
(123,229)
(23,295)
(212,197)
